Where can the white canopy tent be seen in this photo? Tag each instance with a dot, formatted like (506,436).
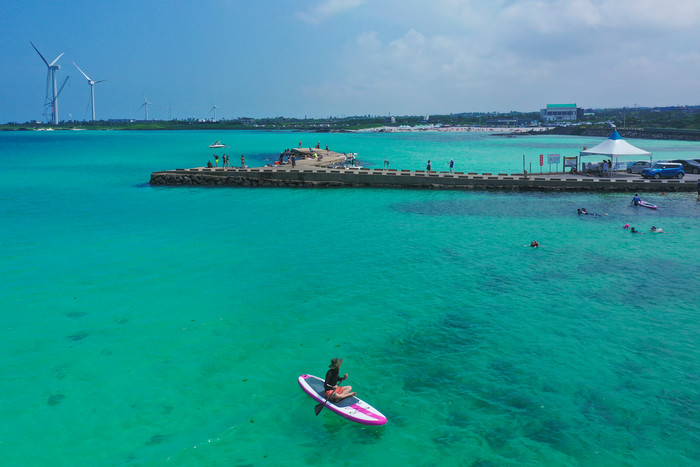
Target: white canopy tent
(615,147)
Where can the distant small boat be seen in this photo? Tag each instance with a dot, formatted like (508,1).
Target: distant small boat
(217,144)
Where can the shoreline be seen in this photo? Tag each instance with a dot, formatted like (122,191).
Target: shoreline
(666,134)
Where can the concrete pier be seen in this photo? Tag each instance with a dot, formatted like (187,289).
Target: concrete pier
(379,178)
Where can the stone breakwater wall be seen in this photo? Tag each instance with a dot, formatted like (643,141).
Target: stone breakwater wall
(272,177)
(640,133)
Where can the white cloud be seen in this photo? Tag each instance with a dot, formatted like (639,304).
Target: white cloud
(515,55)
(322,11)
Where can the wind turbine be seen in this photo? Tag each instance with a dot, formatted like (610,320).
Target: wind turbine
(213,107)
(145,104)
(51,78)
(92,90)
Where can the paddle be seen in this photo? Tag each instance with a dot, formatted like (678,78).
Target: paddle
(319,407)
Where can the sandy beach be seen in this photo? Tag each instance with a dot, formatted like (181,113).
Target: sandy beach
(439,128)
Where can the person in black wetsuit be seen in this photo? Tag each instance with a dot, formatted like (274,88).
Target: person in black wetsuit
(334,392)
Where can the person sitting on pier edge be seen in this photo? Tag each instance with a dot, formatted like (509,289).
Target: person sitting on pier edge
(334,392)
(209,164)
(636,200)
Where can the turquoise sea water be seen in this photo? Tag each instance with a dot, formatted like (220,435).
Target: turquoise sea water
(167,326)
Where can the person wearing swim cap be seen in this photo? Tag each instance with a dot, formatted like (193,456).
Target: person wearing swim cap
(335,393)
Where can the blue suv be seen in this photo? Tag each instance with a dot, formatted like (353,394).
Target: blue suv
(664,170)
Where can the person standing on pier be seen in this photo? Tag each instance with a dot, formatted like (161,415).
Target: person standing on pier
(452,164)
(216,160)
(427,168)
(242,161)
(294,161)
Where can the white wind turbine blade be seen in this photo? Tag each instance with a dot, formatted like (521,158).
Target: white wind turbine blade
(86,76)
(48,84)
(61,89)
(37,51)
(100,81)
(52,63)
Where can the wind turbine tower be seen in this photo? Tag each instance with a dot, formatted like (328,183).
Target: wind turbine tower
(145,104)
(92,90)
(213,107)
(51,78)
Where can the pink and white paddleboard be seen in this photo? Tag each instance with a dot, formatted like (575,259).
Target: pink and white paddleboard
(351,408)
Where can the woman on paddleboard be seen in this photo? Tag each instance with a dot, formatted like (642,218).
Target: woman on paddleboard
(333,391)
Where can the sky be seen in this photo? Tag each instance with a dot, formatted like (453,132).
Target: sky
(321,58)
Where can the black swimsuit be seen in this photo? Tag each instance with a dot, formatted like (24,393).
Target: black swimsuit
(332,379)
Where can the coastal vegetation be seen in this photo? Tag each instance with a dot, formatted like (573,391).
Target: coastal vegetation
(676,118)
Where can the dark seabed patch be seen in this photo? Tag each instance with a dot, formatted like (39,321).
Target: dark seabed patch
(75,314)
(156,439)
(78,336)
(55,399)
(499,437)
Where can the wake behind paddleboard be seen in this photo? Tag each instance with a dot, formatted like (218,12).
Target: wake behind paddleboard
(351,408)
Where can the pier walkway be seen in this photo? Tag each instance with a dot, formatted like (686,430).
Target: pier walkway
(391,178)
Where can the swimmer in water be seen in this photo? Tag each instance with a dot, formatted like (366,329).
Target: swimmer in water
(534,244)
(633,230)
(655,230)
(626,226)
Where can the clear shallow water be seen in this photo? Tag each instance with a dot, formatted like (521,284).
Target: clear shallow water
(168,325)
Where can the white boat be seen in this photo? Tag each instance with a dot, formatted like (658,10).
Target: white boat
(217,144)
(350,162)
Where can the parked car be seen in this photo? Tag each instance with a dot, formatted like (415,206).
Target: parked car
(637,167)
(664,170)
(689,166)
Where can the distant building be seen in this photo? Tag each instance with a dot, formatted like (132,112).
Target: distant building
(561,113)
(390,120)
(246,120)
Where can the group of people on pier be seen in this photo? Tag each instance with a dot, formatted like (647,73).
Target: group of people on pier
(224,161)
